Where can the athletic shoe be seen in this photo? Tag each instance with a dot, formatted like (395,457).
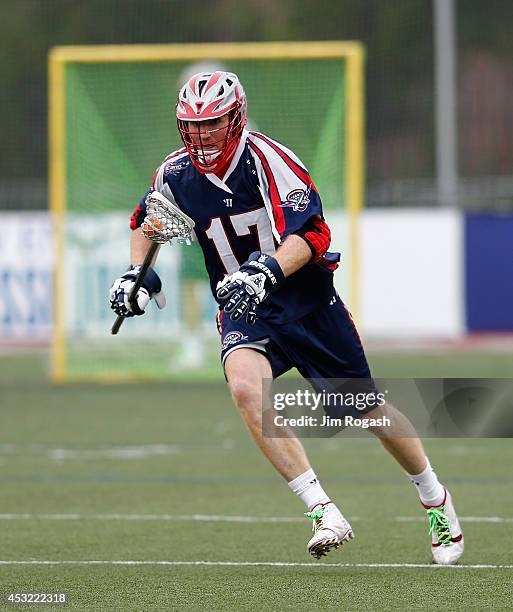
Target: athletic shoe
(446,535)
(330,529)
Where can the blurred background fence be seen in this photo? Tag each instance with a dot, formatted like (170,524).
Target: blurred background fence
(435,236)
(400,81)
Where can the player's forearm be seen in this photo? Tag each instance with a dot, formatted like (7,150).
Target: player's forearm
(139,246)
(293,254)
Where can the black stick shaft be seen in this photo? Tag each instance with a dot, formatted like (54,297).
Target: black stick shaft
(137,285)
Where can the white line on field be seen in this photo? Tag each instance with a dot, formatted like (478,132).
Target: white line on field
(125,452)
(462,519)
(204,518)
(220,518)
(261,564)
(140,451)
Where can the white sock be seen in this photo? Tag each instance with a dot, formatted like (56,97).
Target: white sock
(430,491)
(308,488)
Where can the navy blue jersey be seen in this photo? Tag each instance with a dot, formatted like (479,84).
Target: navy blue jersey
(265,195)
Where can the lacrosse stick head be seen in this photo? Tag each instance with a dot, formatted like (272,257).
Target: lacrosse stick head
(165,221)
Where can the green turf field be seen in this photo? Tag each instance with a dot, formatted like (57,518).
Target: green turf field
(160,477)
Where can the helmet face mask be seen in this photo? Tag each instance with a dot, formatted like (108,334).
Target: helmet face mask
(202,102)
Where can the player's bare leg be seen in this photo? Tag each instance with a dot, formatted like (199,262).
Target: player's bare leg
(408,451)
(245,371)
(446,536)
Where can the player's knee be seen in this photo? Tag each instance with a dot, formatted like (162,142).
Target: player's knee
(380,416)
(245,393)
(392,423)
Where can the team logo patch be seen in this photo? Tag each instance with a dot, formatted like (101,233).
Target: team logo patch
(233,338)
(175,167)
(297,199)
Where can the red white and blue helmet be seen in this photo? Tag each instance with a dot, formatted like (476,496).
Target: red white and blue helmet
(206,96)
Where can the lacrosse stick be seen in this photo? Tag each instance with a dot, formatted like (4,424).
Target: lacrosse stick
(164,222)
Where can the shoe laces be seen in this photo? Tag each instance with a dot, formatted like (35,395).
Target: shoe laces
(316,516)
(439,524)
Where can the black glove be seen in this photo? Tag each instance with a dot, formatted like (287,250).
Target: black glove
(243,290)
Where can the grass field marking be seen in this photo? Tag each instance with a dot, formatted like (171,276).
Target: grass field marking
(259,564)
(222,518)
(133,451)
(462,519)
(206,518)
(121,452)
(50,517)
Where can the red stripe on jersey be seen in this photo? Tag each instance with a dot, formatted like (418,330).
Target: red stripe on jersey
(154,178)
(274,194)
(300,172)
(174,154)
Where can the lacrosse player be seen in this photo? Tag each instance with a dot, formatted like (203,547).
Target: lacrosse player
(258,219)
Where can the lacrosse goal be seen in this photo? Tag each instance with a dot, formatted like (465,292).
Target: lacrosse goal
(111,121)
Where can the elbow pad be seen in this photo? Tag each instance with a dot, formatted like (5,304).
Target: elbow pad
(316,233)
(137,216)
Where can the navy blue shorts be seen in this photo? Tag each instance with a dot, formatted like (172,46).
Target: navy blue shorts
(322,345)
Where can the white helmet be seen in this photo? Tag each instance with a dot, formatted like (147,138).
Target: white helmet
(206,96)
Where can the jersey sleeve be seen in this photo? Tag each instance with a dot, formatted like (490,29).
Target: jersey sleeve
(289,194)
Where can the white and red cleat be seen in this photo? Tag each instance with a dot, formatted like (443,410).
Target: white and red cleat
(446,535)
(330,529)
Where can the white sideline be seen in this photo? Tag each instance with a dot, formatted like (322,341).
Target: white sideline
(117,452)
(262,564)
(206,518)
(462,519)
(220,518)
